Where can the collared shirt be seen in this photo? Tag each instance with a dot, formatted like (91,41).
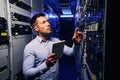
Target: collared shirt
(35,54)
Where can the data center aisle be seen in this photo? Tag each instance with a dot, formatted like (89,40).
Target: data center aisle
(67,68)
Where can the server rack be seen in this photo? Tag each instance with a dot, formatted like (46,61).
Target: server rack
(4,42)
(91,21)
(20,33)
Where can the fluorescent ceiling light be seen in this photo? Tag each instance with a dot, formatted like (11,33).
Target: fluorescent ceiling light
(67,16)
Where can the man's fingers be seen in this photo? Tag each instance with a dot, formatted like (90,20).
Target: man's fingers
(52,55)
(76,30)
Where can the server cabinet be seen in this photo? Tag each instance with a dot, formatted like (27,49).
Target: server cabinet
(91,21)
(20,32)
(4,42)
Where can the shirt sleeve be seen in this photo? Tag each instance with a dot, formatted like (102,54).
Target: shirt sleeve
(70,51)
(29,69)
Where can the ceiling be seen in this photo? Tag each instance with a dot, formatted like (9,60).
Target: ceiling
(90,10)
(58,6)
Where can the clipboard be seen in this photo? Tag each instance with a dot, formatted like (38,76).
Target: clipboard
(58,47)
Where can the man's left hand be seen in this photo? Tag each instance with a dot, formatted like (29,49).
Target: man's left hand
(77,36)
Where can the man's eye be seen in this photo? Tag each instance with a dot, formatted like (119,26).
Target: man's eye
(43,22)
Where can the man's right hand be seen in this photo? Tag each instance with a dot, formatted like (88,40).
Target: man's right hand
(51,60)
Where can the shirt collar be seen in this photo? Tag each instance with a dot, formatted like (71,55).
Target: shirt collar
(41,40)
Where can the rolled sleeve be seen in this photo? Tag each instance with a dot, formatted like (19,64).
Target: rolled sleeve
(70,51)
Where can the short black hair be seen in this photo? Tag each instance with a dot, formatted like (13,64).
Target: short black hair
(33,19)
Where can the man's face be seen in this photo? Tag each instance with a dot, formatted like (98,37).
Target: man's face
(42,25)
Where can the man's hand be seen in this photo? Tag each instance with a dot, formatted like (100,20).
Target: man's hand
(51,60)
(77,36)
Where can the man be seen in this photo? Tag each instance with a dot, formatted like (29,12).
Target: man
(39,62)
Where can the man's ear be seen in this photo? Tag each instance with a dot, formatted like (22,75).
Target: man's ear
(35,28)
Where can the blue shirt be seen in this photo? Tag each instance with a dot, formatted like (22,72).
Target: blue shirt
(35,54)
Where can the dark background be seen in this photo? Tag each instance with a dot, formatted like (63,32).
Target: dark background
(112,41)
